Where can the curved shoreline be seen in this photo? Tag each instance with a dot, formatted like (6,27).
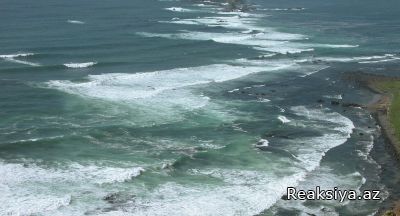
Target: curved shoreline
(380,108)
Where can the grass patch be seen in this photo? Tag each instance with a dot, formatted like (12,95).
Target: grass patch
(393,88)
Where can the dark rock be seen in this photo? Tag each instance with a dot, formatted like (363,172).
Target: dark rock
(335,103)
(320,101)
(117,198)
(111,198)
(361,134)
(285,197)
(109,209)
(199,148)
(351,105)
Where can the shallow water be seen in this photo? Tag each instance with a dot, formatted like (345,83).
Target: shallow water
(159,107)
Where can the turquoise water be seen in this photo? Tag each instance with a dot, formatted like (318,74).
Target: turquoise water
(179,108)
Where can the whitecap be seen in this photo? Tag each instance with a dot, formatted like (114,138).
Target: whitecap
(178,9)
(32,204)
(336,45)
(80,65)
(359,59)
(31,189)
(16,55)
(283,9)
(130,87)
(265,42)
(22,62)
(283,119)
(259,86)
(318,69)
(161,96)
(12,58)
(327,179)
(75,22)
(338,130)
(379,61)
(18,173)
(102,175)
(264,100)
(339,96)
(262,143)
(258,191)
(37,139)
(233,90)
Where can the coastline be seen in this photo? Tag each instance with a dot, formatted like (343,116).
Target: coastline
(380,105)
(380,108)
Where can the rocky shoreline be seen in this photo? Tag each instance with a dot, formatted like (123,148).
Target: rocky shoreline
(380,107)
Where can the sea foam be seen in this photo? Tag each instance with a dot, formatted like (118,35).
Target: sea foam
(37,195)
(283,119)
(80,65)
(129,87)
(248,33)
(178,9)
(259,189)
(336,132)
(12,58)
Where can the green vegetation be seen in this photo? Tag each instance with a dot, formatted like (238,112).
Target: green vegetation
(392,87)
(389,213)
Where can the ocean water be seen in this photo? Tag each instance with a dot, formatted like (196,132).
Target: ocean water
(130,107)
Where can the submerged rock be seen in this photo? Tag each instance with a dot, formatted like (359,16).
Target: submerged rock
(351,105)
(335,103)
(117,198)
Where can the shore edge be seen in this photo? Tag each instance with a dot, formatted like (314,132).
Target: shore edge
(379,107)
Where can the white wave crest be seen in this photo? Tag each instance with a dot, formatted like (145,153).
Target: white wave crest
(283,119)
(29,189)
(337,131)
(249,33)
(32,204)
(130,87)
(283,9)
(76,22)
(258,191)
(262,143)
(80,65)
(359,59)
(12,58)
(16,55)
(271,42)
(178,9)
